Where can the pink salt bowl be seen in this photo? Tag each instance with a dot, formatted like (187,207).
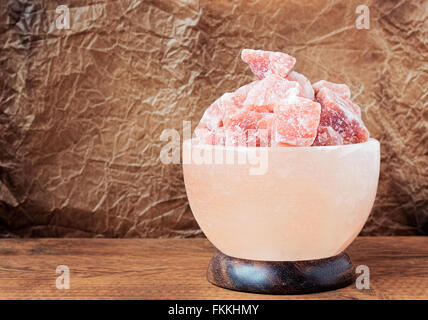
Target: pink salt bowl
(306,203)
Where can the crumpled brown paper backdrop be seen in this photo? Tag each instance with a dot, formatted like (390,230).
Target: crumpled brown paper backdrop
(82,110)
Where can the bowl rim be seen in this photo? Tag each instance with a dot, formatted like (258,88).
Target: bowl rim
(307,148)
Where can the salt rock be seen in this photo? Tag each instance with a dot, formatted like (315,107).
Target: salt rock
(247,138)
(259,138)
(236,137)
(345,102)
(241,93)
(340,89)
(327,136)
(263,135)
(212,120)
(266,121)
(306,87)
(269,91)
(206,136)
(248,128)
(296,122)
(244,119)
(263,63)
(339,114)
(213,116)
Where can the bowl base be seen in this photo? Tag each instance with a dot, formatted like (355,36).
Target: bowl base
(281,277)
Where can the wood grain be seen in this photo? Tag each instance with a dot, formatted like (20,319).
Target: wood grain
(176,269)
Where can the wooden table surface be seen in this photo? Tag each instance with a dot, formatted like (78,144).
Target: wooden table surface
(175,269)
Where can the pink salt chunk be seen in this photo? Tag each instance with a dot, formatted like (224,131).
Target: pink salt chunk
(266,121)
(327,136)
(241,93)
(206,136)
(243,119)
(296,122)
(269,91)
(246,138)
(248,128)
(262,136)
(340,89)
(213,116)
(236,137)
(258,138)
(351,106)
(306,87)
(263,63)
(338,114)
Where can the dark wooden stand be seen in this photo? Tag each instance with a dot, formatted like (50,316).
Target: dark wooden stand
(281,277)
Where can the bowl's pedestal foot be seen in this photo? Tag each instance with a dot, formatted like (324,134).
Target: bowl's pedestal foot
(280,277)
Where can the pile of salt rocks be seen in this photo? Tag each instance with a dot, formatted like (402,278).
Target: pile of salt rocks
(282,108)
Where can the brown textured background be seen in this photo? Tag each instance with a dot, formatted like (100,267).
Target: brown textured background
(82,110)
